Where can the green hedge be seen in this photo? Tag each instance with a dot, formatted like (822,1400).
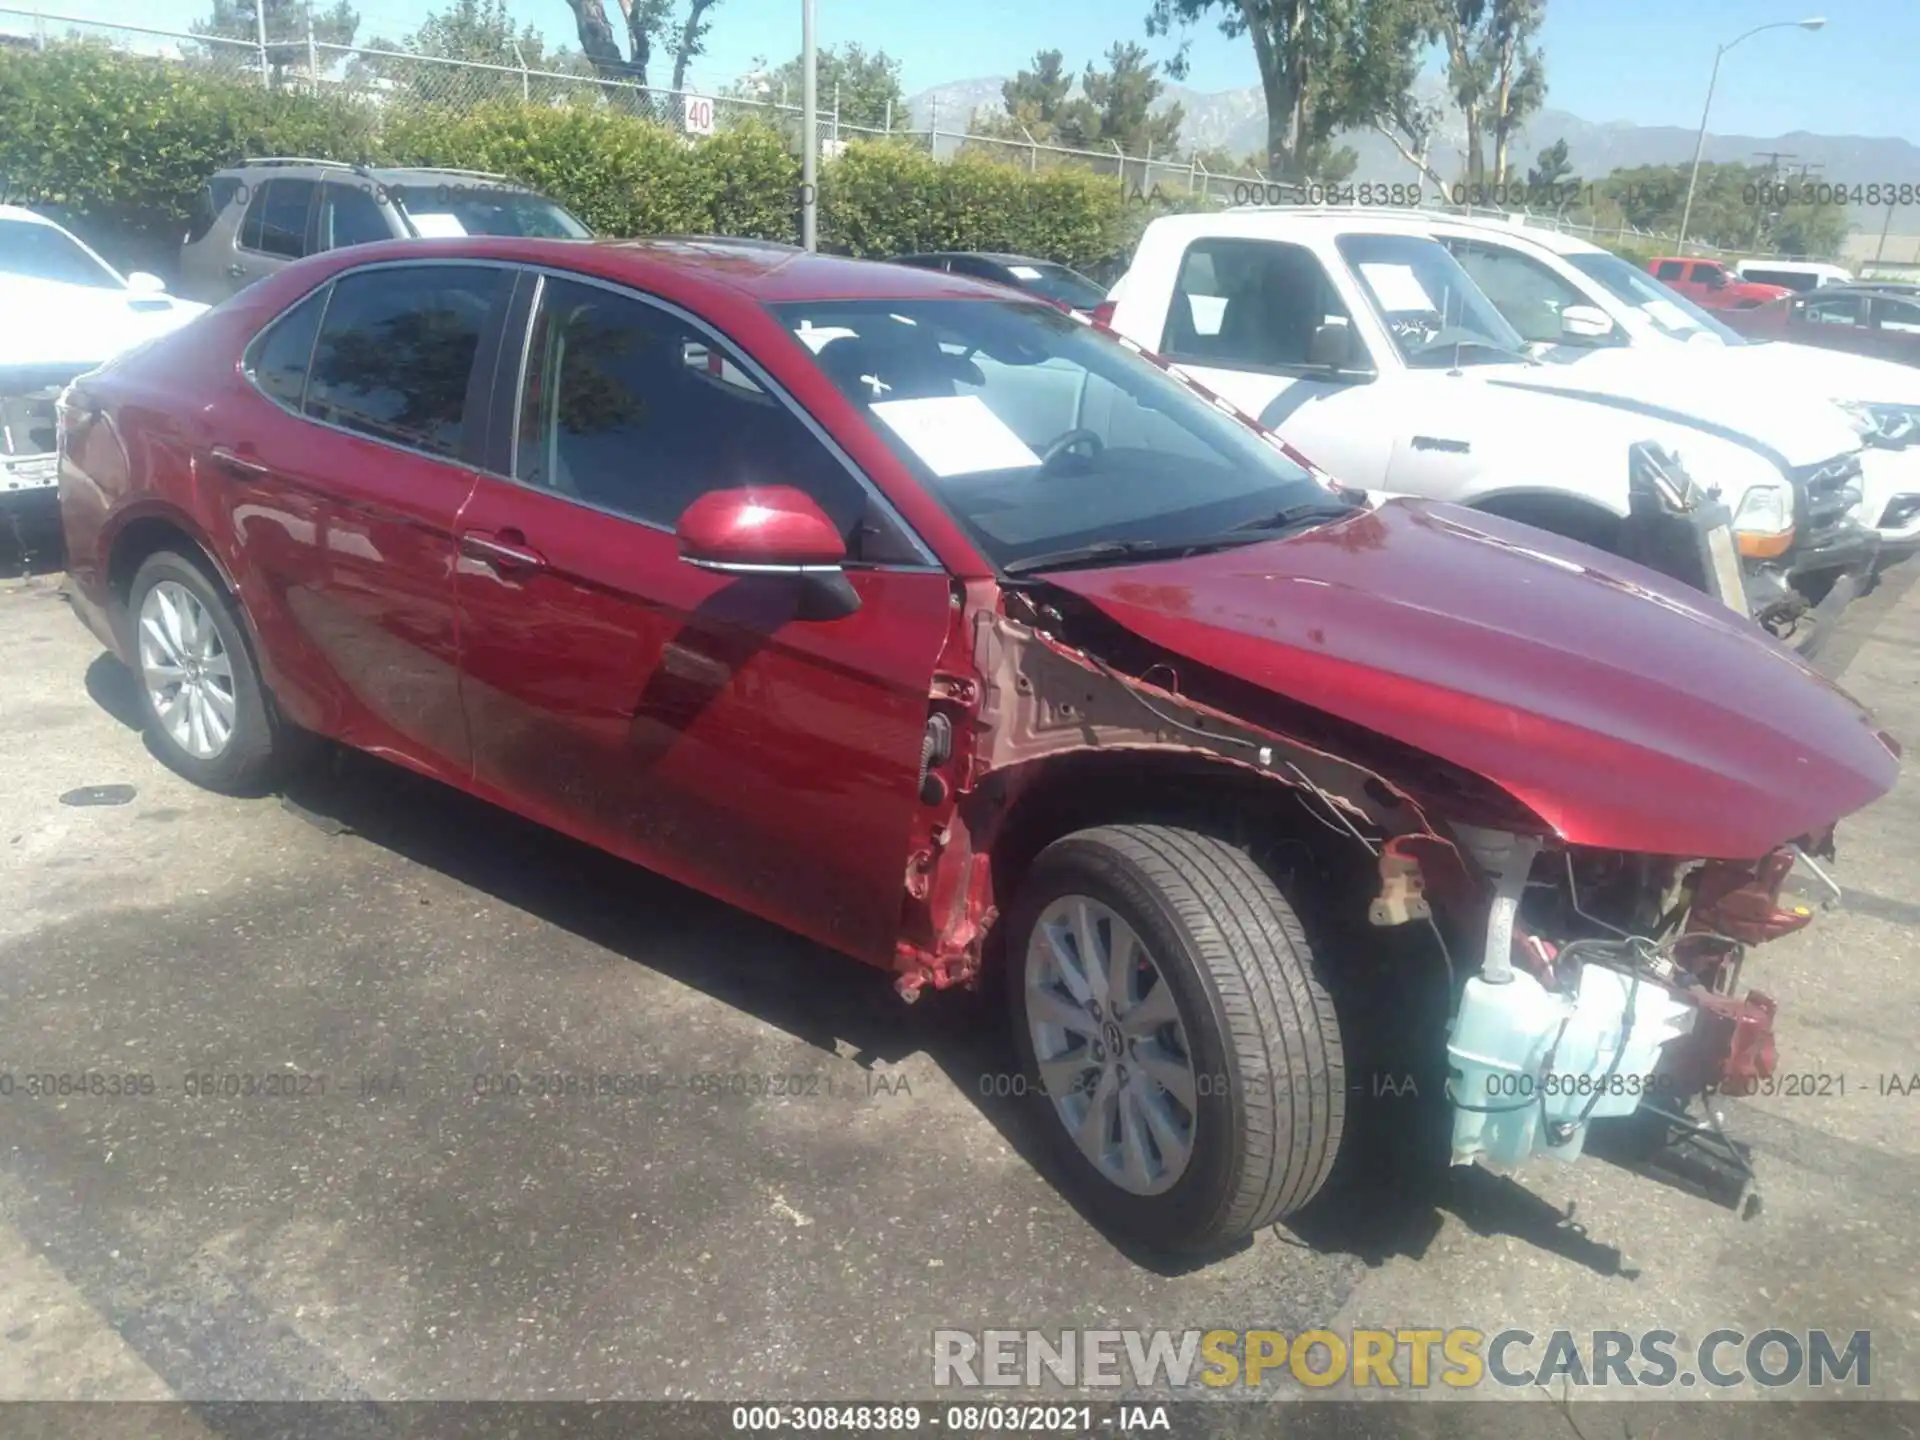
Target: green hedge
(118,145)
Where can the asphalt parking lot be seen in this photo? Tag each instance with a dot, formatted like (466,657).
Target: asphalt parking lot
(382,1223)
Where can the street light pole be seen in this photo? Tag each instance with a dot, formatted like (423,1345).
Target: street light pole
(809,132)
(1699,143)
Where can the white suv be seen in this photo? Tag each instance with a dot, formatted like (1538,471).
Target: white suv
(1361,340)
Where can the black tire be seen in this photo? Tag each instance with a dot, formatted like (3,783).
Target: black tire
(248,762)
(1232,952)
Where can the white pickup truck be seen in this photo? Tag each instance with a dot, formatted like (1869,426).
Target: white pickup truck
(1579,305)
(1362,341)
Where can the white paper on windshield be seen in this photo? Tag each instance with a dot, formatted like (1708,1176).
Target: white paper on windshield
(1396,287)
(1025,272)
(1665,312)
(437,227)
(956,434)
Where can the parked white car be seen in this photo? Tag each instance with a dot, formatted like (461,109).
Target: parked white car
(1360,339)
(1577,304)
(1793,274)
(63,310)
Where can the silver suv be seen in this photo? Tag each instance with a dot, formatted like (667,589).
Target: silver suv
(255,217)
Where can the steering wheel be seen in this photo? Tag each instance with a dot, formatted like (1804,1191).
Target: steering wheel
(1452,335)
(1062,443)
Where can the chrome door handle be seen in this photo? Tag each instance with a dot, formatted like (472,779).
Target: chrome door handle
(240,466)
(236,270)
(501,552)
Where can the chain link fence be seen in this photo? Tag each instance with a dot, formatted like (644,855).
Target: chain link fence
(385,78)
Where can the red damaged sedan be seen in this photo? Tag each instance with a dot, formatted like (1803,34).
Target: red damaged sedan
(954,633)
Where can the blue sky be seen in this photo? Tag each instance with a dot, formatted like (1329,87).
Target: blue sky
(1641,60)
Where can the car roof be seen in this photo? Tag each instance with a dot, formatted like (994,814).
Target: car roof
(297,166)
(768,272)
(16,212)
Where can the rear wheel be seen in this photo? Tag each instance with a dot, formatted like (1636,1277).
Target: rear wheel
(207,715)
(1176,1047)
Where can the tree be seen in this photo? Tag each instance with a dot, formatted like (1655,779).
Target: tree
(1494,72)
(1115,107)
(478,31)
(1034,101)
(1325,65)
(649,23)
(286,22)
(1552,169)
(866,82)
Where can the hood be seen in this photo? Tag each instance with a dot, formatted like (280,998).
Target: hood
(1623,709)
(1670,383)
(1832,374)
(50,323)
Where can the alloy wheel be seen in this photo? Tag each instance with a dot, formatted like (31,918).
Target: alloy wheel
(188,673)
(1111,1051)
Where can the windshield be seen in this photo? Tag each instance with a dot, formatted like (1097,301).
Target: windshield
(1041,434)
(1437,316)
(47,252)
(1668,311)
(1057,282)
(443,210)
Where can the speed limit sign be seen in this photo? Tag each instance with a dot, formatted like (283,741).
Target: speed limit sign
(699,114)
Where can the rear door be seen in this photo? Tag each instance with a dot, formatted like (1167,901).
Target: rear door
(692,721)
(273,231)
(342,463)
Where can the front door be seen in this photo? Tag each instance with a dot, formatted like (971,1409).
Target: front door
(1260,323)
(694,722)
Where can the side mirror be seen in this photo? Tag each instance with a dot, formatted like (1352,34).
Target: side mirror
(1585,322)
(759,530)
(771,531)
(1337,348)
(143,282)
(1717,280)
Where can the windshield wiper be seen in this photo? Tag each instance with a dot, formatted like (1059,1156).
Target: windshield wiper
(1102,551)
(1305,513)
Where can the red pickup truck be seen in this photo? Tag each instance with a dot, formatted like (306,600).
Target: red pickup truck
(1712,285)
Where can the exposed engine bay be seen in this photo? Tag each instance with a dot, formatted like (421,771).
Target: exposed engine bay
(1608,982)
(1609,985)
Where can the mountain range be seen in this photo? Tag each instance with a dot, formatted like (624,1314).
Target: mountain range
(1235,121)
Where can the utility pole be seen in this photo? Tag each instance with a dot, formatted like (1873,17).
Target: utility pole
(809,132)
(260,34)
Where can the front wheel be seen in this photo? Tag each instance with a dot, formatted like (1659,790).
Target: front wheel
(1182,1057)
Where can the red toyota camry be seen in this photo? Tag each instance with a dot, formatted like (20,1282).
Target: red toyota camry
(949,630)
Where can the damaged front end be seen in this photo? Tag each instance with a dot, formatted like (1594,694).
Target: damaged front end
(1609,985)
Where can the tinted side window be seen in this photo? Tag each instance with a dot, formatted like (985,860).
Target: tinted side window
(350,216)
(276,222)
(214,197)
(1833,310)
(1897,315)
(277,360)
(633,410)
(396,351)
(1669,270)
(1251,302)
